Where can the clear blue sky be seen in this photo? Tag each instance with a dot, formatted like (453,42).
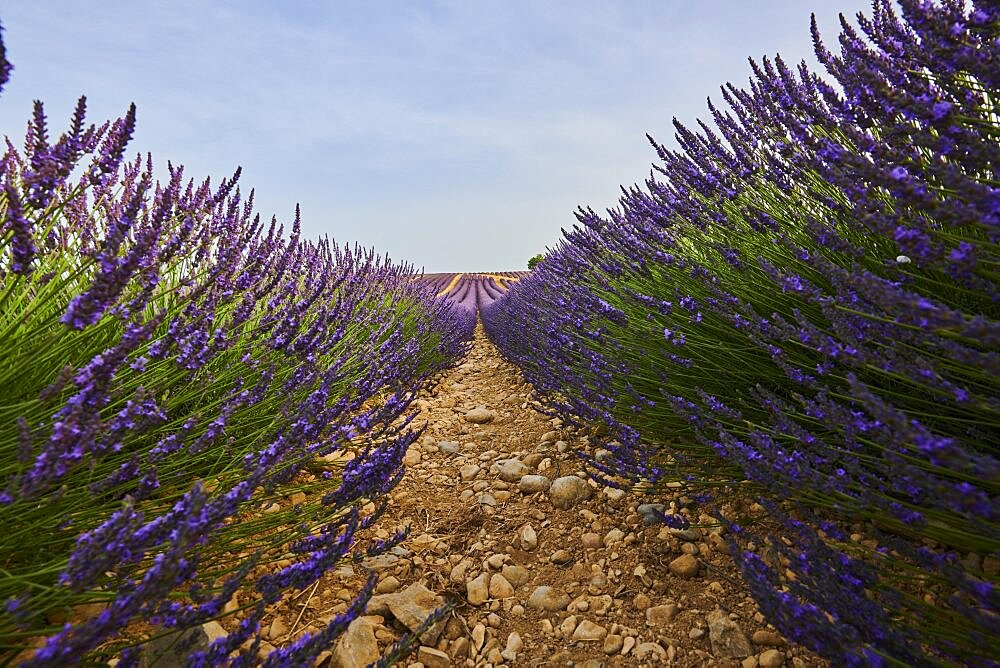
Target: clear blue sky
(459,135)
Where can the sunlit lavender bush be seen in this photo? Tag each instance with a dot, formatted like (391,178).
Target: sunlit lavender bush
(170,368)
(805,297)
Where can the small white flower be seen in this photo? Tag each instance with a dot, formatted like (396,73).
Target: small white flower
(902,259)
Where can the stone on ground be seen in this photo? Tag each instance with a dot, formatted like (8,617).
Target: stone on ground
(479,415)
(567,491)
(727,638)
(548,599)
(357,647)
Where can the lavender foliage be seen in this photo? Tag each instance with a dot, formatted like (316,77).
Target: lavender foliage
(804,296)
(172,367)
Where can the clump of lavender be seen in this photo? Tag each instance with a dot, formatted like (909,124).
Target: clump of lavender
(173,366)
(804,297)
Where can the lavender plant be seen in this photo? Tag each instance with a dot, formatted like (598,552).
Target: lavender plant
(171,367)
(804,297)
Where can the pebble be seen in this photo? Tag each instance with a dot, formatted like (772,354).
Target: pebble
(457,573)
(479,415)
(651,513)
(533,459)
(468,472)
(646,651)
(496,561)
(613,536)
(548,599)
(433,658)
(772,658)
(661,615)
(589,631)
(767,638)
(387,585)
(528,537)
(685,566)
(612,644)
(727,639)
(561,557)
(477,590)
(357,647)
(533,484)
(627,645)
(591,541)
(448,447)
(516,575)
(614,494)
(569,490)
(511,470)
(478,636)
(277,629)
(514,645)
(718,543)
(686,534)
(500,587)
(411,607)
(460,648)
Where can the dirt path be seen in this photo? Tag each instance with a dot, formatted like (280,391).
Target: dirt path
(565,575)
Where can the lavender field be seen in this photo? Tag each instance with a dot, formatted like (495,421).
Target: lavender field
(204,414)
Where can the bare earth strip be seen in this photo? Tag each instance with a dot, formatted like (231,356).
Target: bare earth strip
(451,285)
(584,584)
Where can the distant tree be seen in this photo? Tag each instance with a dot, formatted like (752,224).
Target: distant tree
(535,260)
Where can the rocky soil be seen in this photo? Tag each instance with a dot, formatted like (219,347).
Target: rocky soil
(546,568)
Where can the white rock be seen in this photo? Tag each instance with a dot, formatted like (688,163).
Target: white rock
(532,484)
(511,470)
(569,490)
(479,415)
(514,645)
(477,589)
(588,630)
(548,599)
(357,647)
(529,539)
(500,587)
(727,638)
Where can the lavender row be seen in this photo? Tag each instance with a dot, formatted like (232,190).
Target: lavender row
(172,368)
(471,292)
(801,305)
